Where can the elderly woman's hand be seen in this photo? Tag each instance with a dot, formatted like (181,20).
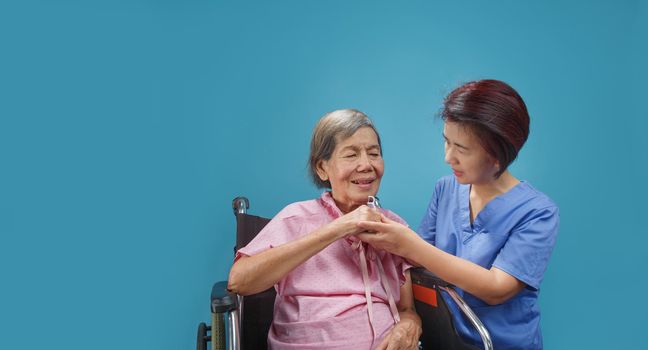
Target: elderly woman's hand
(347,225)
(404,336)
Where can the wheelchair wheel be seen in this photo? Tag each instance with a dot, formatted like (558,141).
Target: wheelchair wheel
(202,338)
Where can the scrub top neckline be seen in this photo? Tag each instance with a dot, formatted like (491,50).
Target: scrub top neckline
(478,224)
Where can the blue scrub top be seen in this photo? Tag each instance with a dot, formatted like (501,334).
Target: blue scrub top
(514,232)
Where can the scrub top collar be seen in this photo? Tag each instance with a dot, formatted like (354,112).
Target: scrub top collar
(477,225)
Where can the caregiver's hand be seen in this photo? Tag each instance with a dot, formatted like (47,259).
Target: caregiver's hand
(404,336)
(389,235)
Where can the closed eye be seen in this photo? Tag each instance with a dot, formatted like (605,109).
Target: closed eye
(460,148)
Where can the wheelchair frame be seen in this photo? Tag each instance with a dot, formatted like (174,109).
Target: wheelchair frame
(227,307)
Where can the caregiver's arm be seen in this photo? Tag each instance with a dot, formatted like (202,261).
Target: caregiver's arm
(493,286)
(256,273)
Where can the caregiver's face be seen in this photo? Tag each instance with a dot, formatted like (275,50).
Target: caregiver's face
(470,162)
(354,169)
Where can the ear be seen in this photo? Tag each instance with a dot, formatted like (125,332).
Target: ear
(321,169)
(496,165)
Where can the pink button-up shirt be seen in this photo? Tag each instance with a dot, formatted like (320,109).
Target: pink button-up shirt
(321,304)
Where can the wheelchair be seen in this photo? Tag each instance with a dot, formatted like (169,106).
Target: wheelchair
(243,323)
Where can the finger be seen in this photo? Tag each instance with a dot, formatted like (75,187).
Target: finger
(394,343)
(371,225)
(384,343)
(366,237)
(376,215)
(386,220)
(372,213)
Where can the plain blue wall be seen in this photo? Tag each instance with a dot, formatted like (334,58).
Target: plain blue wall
(127,127)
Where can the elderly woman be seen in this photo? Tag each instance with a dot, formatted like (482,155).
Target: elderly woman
(333,291)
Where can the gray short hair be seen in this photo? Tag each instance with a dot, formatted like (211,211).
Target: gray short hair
(332,128)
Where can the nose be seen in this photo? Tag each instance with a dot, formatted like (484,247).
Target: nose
(364,163)
(449,156)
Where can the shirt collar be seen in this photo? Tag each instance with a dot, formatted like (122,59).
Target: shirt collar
(329,203)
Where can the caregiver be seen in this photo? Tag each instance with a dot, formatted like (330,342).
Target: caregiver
(485,231)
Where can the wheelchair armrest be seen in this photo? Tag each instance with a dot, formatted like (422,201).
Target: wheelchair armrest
(222,300)
(424,277)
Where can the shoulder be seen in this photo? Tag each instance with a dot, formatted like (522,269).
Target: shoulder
(294,219)
(446,182)
(532,207)
(301,209)
(533,199)
(445,188)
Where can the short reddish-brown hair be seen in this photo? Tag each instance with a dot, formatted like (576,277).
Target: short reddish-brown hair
(495,113)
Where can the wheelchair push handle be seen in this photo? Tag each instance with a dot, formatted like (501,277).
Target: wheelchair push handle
(222,300)
(240,205)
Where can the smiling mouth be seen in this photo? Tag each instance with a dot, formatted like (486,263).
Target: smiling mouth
(363,182)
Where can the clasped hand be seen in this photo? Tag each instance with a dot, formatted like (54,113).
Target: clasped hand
(348,224)
(388,235)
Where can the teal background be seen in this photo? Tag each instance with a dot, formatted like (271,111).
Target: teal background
(127,127)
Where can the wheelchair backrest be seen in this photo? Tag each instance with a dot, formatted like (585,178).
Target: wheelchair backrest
(257,311)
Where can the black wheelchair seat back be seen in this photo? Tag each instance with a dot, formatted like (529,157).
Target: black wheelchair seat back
(247,227)
(257,310)
(436,317)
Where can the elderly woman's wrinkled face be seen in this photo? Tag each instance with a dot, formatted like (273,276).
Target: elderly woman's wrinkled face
(354,170)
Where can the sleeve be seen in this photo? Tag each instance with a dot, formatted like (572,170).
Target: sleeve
(427,228)
(526,253)
(278,231)
(405,265)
